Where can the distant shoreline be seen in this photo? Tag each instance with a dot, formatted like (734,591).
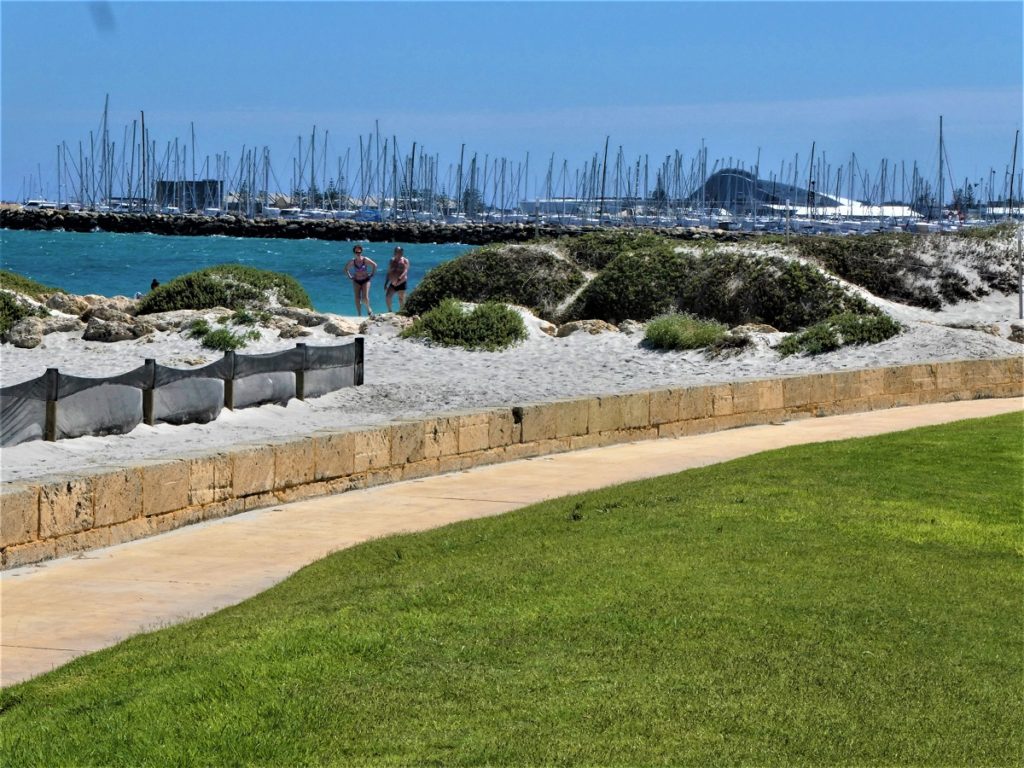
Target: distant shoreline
(403,232)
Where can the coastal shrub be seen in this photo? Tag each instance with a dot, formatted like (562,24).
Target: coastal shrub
(199,328)
(738,288)
(731,287)
(225,340)
(638,284)
(921,270)
(887,264)
(595,250)
(525,275)
(245,317)
(12,281)
(228,285)
(222,339)
(14,308)
(1006,230)
(11,311)
(489,326)
(846,329)
(677,332)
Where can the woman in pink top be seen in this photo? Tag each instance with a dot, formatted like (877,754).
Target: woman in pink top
(360,271)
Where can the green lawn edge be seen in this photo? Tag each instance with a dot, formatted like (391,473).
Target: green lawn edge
(847,603)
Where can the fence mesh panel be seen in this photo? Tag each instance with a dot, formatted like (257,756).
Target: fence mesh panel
(55,405)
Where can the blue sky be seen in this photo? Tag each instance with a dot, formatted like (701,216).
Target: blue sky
(506,79)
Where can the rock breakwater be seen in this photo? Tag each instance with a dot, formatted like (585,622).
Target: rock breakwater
(299,229)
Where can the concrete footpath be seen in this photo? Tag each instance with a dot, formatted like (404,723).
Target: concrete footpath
(54,611)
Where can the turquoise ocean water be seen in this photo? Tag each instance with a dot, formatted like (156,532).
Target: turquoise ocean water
(113,264)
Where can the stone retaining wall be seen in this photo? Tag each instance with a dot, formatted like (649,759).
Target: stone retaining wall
(56,516)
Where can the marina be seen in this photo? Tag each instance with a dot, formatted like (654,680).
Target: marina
(389,182)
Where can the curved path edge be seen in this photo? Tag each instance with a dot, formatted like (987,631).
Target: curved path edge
(52,612)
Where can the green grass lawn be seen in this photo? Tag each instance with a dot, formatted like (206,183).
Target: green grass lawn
(852,603)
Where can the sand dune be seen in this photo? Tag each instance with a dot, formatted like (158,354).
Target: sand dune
(407,379)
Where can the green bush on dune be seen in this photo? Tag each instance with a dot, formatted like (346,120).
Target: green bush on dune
(490,326)
(727,286)
(222,339)
(841,330)
(883,263)
(679,332)
(13,309)
(524,275)
(227,285)
(637,284)
(595,250)
(737,288)
(12,281)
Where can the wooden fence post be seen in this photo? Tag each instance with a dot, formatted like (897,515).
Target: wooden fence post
(300,373)
(147,392)
(358,375)
(229,382)
(52,384)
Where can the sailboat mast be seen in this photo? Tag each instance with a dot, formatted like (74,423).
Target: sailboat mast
(942,187)
(604,174)
(1013,172)
(810,183)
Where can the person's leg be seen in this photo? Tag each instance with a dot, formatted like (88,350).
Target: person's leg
(358,290)
(366,297)
(388,293)
(401,300)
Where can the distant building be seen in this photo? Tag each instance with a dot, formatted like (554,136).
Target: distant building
(741,193)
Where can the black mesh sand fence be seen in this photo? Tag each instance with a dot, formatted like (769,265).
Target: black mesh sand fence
(55,406)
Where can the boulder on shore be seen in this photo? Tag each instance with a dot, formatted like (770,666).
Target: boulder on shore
(590,326)
(114,330)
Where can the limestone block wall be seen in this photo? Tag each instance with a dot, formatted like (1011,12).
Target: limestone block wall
(56,516)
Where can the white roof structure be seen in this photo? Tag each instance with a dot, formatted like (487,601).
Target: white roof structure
(851,209)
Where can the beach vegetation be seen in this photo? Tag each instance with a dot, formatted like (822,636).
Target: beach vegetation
(12,311)
(738,288)
(635,285)
(531,276)
(593,251)
(682,331)
(1005,230)
(842,330)
(886,264)
(15,283)
(233,286)
(246,317)
(221,339)
(925,271)
(489,326)
(817,605)
(15,289)
(728,286)
(198,328)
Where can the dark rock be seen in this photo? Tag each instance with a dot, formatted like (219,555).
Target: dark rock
(294,332)
(107,331)
(305,317)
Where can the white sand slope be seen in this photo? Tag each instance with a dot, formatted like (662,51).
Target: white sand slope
(407,379)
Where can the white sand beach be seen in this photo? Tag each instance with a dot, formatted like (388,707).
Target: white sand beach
(409,379)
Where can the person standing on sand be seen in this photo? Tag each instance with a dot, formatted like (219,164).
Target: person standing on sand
(360,271)
(397,279)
